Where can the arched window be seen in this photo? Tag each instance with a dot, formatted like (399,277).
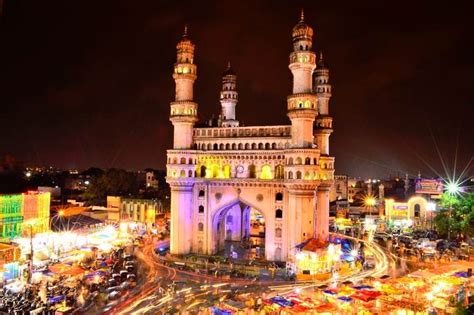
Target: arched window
(279,214)
(202,172)
(190,173)
(279,171)
(290,161)
(175,161)
(278,232)
(227,146)
(254,146)
(247,146)
(200,227)
(290,175)
(226,171)
(307,161)
(234,146)
(260,146)
(315,161)
(298,161)
(266,172)
(298,175)
(267,146)
(221,146)
(216,147)
(252,171)
(190,161)
(202,193)
(229,219)
(201,208)
(279,196)
(274,145)
(182,173)
(183,160)
(417,210)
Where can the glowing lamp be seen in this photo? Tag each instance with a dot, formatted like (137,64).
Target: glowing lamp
(370,201)
(452,188)
(431,206)
(354,253)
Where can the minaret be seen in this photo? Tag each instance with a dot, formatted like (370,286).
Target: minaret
(323,90)
(302,104)
(183,116)
(229,98)
(183,109)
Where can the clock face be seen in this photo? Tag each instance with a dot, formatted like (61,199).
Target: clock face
(240,169)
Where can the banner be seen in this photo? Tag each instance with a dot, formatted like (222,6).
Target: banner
(429,186)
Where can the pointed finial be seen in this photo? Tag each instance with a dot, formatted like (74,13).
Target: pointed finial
(302,14)
(228,64)
(321,55)
(185,30)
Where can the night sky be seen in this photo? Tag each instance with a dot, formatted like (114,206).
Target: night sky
(88,83)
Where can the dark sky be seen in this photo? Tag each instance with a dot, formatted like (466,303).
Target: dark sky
(88,83)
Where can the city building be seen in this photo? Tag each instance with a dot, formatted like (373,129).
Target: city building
(133,209)
(415,211)
(233,183)
(151,180)
(24,213)
(339,189)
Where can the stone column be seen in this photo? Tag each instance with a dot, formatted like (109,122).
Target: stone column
(322,213)
(181,217)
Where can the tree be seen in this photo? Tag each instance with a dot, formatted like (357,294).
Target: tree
(113,182)
(457,215)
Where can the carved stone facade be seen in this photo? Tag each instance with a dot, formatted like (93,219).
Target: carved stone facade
(221,175)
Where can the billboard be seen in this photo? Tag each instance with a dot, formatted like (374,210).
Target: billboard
(429,186)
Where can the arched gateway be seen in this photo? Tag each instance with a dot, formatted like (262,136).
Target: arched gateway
(261,186)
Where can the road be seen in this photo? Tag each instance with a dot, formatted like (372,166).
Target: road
(194,291)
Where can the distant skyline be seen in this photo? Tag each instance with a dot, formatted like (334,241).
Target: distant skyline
(89,84)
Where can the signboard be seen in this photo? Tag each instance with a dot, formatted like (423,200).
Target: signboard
(429,186)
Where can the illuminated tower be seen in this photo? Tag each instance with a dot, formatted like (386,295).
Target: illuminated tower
(302,111)
(183,116)
(183,109)
(302,104)
(229,98)
(323,90)
(322,131)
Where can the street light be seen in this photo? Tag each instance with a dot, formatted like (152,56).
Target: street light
(453,188)
(369,202)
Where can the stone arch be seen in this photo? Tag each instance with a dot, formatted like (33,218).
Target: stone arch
(290,161)
(290,175)
(260,146)
(298,175)
(190,173)
(202,171)
(252,169)
(182,161)
(307,161)
(234,146)
(278,214)
(216,146)
(298,161)
(227,146)
(254,146)
(279,171)
(182,173)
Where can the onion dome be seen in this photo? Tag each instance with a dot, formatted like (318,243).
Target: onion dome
(185,43)
(321,63)
(302,31)
(229,70)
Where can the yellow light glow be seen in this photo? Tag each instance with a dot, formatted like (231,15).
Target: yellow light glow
(266,172)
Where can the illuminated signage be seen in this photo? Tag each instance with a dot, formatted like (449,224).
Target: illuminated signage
(429,186)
